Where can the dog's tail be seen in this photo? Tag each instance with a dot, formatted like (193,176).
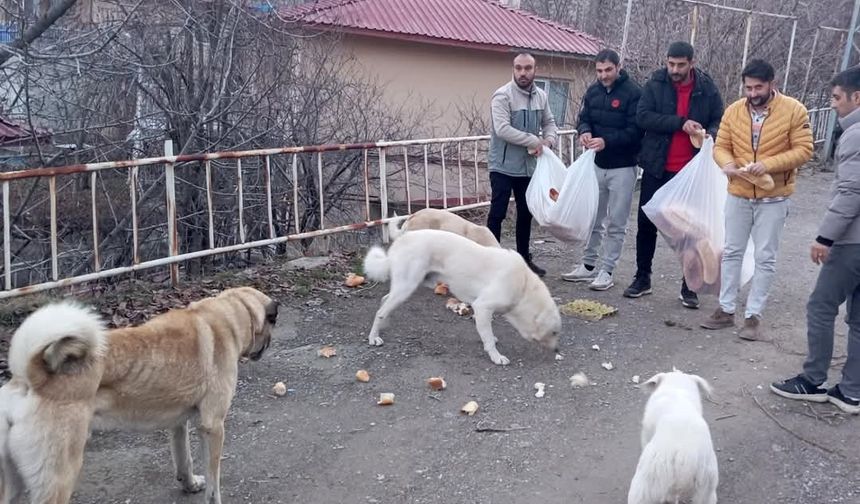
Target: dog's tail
(59,339)
(376,264)
(395,231)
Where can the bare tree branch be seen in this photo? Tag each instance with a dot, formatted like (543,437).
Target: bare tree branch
(57,11)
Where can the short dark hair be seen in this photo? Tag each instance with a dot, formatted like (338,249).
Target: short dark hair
(758,69)
(848,80)
(607,55)
(680,49)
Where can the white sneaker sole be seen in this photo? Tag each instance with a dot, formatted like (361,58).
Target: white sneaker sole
(637,295)
(844,406)
(688,305)
(816,398)
(577,280)
(601,287)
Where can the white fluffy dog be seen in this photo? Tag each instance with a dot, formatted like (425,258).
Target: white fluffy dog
(492,280)
(678,463)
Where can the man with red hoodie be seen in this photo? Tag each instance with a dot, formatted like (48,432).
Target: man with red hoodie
(677,101)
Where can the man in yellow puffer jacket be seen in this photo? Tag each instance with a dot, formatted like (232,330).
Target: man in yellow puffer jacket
(763,135)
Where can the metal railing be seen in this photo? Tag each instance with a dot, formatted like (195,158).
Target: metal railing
(818,119)
(446,154)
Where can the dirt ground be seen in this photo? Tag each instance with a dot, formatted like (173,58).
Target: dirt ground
(327,441)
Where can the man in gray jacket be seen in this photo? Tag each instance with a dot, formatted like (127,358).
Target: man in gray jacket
(837,248)
(522,125)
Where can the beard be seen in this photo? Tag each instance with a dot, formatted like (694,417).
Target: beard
(758,101)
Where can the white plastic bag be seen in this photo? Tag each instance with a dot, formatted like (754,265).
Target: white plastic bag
(548,175)
(571,216)
(689,211)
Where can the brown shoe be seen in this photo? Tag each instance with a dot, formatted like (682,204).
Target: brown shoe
(719,320)
(751,330)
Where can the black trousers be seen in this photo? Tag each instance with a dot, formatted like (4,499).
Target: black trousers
(646,235)
(501,186)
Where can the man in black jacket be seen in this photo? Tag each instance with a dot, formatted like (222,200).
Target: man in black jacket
(676,102)
(607,124)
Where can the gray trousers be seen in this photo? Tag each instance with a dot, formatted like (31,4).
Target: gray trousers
(838,282)
(764,223)
(613,209)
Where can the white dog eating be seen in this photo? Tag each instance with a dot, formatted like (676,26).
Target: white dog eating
(678,463)
(492,280)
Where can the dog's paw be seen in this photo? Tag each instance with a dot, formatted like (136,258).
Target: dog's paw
(374,341)
(212,497)
(500,359)
(194,485)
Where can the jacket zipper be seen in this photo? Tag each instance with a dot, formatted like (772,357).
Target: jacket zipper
(528,110)
(755,147)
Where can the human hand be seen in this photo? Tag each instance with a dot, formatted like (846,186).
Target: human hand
(756,169)
(597,144)
(691,127)
(819,253)
(730,170)
(584,139)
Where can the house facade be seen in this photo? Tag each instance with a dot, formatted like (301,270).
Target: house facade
(445,58)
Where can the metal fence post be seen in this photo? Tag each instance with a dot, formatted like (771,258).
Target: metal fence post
(170,194)
(383,193)
(7,238)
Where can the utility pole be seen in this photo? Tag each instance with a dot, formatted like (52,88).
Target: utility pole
(626,29)
(846,58)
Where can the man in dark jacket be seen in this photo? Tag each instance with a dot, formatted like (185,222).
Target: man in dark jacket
(607,124)
(676,102)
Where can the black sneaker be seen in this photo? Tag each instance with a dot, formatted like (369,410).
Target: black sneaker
(801,389)
(537,269)
(689,299)
(641,286)
(846,404)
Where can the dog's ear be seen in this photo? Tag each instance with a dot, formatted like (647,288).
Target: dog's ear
(651,383)
(704,386)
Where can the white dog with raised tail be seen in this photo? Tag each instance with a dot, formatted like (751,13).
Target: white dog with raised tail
(678,463)
(56,359)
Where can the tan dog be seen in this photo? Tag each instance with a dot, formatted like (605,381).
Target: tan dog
(443,220)
(69,373)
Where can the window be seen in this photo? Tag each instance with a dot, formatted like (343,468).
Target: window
(558,93)
(8,32)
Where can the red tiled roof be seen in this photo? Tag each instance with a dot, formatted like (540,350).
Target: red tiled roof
(13,133)
(458,22)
